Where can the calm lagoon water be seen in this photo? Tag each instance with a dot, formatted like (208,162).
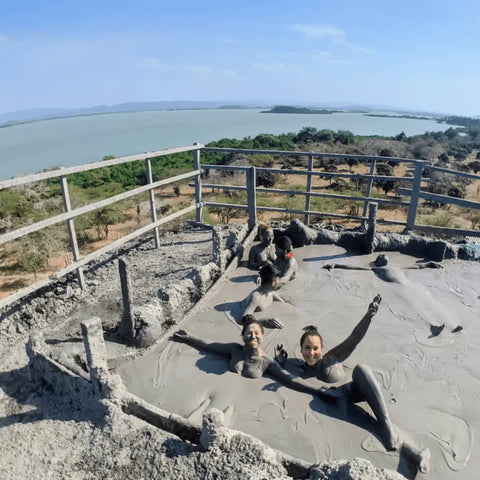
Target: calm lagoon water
(65,142)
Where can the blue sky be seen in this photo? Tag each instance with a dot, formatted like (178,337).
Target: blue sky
(422,55)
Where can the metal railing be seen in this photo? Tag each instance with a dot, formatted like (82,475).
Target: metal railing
(415,193)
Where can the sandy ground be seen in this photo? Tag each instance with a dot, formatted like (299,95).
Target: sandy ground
(431,383)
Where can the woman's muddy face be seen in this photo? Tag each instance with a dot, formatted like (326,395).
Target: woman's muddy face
(312,350)
(253,335)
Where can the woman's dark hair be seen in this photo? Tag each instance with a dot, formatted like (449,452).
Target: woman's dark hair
(268,273)
(247,320)
(310,331)
(284,243)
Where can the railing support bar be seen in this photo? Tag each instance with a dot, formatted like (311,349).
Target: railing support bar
(198,184)
(151,194)
(67,206)
(306,218)
(369,189)
(252,197)
(412,209)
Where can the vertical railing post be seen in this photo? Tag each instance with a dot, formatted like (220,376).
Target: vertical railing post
(368,190)
(151,194)
(251,196)
(127,327)
(67,206)
(306,218)
(198,184)
(412,208)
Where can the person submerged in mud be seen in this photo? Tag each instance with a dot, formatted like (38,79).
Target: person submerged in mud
(383,270)
(249,359)
(264,252)
(285,263)
(263,296)
(363,388)
(393,274)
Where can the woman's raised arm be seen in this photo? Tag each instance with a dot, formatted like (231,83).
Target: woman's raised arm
(342,351)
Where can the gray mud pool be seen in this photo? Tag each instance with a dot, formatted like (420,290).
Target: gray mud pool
(431,383)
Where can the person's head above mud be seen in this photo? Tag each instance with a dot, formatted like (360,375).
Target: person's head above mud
(382,260)
(252,334)
(268,276)
(284,247)
(265,234)
(311,344)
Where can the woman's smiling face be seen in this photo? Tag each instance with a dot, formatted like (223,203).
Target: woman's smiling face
(253,335)
(312,349)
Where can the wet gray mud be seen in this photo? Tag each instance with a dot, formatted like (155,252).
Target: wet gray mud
(431,383)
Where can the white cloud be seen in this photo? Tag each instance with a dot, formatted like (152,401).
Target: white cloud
(326,57)
(276,67)
(312,31)
(230,75)
(359,49)
(331,33)
(152,63)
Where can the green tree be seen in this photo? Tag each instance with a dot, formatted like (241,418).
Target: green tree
(102,218)
(345,137)
(305,135)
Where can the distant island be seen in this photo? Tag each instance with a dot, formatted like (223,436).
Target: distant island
(411,117)
(288,109)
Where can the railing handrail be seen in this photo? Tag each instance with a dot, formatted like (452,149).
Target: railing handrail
(60,172)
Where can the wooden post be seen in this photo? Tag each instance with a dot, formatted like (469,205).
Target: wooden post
(412,209)
(67,206)
(198,184)
(151,194)
(369,190)
(306,218)
(252,196)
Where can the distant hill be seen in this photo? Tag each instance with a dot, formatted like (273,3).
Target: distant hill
(314,108)
(46,113)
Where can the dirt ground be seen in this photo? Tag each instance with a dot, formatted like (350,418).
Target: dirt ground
(51,434)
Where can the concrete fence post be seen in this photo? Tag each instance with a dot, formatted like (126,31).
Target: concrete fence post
(218,247)
(96,352)
(67,206)
(368,191)
(306,218)
(198,184)
(252,196)
(412,209)
(151,194)
(372,227)
(127,330)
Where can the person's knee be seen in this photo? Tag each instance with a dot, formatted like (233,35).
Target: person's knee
(361,372)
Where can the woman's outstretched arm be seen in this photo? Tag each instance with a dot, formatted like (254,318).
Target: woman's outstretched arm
(342,351)
(289,380)
(331,266)
(206,345)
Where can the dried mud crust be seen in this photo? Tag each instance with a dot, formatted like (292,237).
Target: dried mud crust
(64,304)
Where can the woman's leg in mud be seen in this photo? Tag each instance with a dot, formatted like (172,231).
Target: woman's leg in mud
(366,388)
